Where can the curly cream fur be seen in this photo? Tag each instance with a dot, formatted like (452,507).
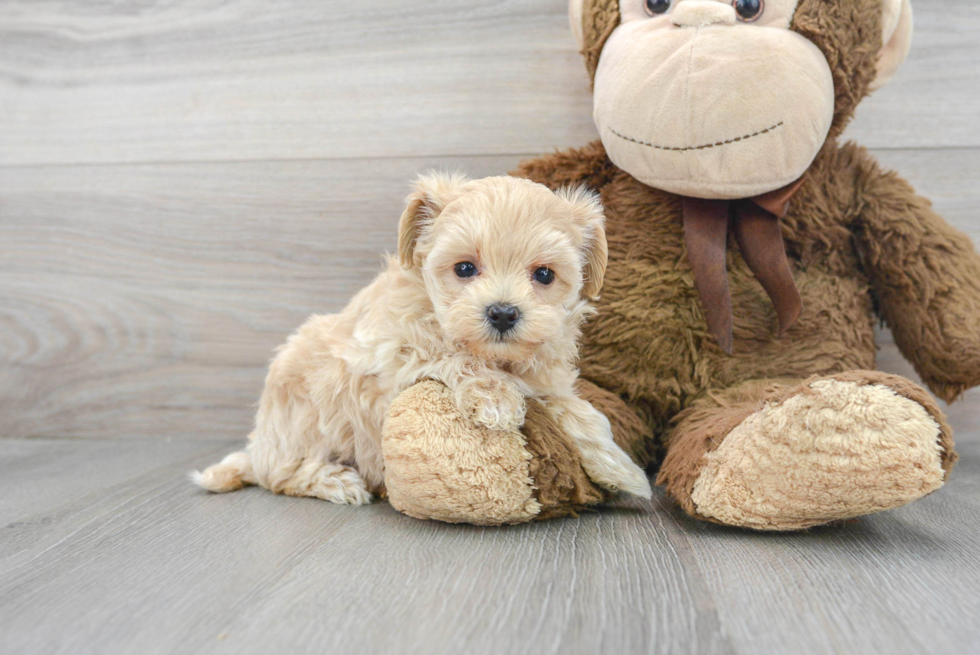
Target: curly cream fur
(319,424)
(853,449)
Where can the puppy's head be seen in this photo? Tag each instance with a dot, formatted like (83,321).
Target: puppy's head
(509,265)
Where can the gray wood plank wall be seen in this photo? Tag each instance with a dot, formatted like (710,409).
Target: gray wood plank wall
(182,183)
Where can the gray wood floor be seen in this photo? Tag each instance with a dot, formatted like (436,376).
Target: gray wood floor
(120,554)
(182,182)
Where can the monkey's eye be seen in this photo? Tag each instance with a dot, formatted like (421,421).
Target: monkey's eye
(465,269)
(544,276)
(657,7)
(749,10)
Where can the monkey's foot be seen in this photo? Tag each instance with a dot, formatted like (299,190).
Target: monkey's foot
(829,449)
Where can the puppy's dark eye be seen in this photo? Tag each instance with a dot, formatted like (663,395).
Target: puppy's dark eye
(544,276)
(465,269)
(749,10)
(657,7)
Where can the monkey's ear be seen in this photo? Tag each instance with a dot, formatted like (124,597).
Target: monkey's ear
(592,23)
(588,216)
(433,191)
(575,18)
(897,25)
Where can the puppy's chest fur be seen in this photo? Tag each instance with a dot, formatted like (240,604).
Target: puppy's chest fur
(389,338)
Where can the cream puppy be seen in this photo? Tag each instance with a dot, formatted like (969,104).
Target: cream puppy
(487,295)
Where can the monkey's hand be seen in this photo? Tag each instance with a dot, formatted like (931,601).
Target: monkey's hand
(926,277)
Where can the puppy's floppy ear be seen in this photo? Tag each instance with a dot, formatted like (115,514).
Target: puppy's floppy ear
(589,218)
(433,191)
(897,27)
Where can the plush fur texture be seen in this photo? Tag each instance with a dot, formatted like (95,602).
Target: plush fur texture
(925,276)
(856,442)
(649,340)
(853,449)
(599,19)
(863,248)
(787,432)
(440,467)
(561,485)
(319,426)
(861,243)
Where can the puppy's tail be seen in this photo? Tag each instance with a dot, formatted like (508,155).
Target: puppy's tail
(230,474)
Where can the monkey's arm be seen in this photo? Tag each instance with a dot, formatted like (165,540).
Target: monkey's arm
(589,166)
(926,278)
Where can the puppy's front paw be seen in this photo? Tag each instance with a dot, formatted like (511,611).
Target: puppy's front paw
(492,404)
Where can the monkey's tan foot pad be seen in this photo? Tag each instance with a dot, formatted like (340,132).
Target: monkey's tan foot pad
(837,448)
(439,465)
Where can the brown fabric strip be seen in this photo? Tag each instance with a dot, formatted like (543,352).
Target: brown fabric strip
(760,239)
(706,236)
(777,202)
(755,223)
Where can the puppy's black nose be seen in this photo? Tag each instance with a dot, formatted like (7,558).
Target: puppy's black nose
(503,317)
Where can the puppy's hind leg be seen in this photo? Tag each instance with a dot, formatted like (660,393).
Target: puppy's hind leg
(230,474)
(328,481)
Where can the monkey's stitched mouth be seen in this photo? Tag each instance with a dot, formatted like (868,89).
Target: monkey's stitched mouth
(745,137)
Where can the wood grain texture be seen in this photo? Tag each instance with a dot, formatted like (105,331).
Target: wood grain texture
(146,300)
(153,565)
(39,474)
(235,80)
(140,302)
(246,80)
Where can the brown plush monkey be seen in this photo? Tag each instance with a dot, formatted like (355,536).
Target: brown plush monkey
(750,255)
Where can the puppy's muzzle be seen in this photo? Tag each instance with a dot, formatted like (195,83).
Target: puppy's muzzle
(503,318)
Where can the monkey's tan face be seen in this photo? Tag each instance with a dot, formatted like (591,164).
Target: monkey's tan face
(712,98)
